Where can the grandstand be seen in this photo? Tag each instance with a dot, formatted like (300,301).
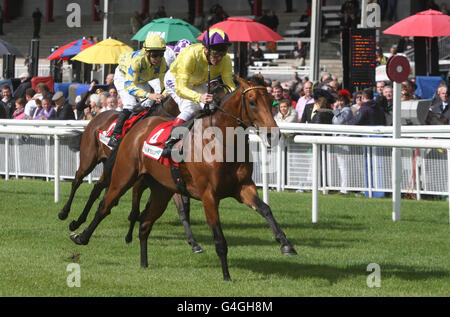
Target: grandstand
(19,32)
(57,33)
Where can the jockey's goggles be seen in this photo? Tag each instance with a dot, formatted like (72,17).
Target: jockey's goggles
(218,50)
(215,53)
(156,53)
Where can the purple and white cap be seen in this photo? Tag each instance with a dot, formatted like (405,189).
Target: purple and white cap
(180,45)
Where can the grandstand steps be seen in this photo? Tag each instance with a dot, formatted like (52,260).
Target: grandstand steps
(19,32)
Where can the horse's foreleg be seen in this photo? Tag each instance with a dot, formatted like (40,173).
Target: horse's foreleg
(249,196)
(79,175)
(183,205)
(157,204)
(138,189)
(88,161)
(101,184)
(211,206)
(112,196)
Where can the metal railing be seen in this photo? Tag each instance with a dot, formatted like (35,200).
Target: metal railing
(41,149)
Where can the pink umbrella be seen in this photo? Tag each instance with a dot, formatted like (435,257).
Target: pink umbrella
(429,23)
(241,29)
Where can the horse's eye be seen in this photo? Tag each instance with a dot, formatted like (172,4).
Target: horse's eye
(252,103)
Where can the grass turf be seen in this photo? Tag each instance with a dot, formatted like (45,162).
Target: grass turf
(333,254)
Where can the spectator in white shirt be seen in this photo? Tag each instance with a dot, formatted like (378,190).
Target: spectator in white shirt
(302,101)
(31,103)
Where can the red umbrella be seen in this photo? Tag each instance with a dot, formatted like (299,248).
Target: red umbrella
(69,50)
(429,23)
(245,30)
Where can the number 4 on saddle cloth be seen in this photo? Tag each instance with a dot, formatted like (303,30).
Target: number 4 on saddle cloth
(154,144)
(153,147)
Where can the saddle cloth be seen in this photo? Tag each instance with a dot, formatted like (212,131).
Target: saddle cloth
(105,135)
(154,144)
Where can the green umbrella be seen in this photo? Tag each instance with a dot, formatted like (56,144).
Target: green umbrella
(172,30)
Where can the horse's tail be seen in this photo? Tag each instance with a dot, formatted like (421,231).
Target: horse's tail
(75,141)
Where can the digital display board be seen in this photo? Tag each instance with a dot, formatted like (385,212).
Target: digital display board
(362,58)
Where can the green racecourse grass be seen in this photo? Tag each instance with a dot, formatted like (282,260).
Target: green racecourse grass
(332,260)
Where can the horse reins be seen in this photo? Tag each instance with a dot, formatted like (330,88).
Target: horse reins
(244,106)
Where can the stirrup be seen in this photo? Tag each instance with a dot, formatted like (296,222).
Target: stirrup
(167,151)
(113,142)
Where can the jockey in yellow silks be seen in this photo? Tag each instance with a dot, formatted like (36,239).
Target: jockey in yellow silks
(132,75)
(186,81)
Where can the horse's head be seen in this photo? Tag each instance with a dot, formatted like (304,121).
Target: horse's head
(256,103)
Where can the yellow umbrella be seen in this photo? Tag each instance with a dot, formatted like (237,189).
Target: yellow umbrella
(104,52)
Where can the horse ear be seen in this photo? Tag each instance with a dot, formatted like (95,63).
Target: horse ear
(260,76)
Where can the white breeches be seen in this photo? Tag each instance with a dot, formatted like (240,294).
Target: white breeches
(129,101)
(187,107)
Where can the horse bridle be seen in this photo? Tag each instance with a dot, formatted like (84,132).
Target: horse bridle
(244,106)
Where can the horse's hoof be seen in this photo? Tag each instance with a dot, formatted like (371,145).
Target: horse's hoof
(63,214)
(73,225)
(288,250)
(128,238)
(197,249)
(76,238)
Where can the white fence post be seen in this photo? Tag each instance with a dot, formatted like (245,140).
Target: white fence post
(264,172)
(396,157)
(279,163)
(6,157)
(323,170)
(415,160)
(16,156)
(448,181)
(315,183)
(47,158)
(56,171)
(369,171)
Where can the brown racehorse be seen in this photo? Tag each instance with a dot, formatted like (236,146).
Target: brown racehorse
(94,152)
(249,105)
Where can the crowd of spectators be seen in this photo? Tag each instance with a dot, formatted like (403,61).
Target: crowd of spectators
(41,104)
(369,106)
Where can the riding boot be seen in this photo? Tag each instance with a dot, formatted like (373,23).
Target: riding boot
(113,141)
(167,151)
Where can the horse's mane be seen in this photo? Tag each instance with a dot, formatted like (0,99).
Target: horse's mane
(259,81)
(160,107)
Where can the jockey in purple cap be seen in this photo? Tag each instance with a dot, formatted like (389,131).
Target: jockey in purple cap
(186,81)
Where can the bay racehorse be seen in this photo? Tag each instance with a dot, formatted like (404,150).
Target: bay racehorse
(94,152)
(208,181)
